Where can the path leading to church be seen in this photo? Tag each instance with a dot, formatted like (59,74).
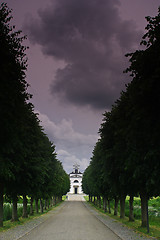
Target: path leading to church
(73,222)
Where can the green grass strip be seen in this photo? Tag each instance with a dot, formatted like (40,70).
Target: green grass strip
(136,225)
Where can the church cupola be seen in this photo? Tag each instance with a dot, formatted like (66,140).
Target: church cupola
(76,168)
(76,180)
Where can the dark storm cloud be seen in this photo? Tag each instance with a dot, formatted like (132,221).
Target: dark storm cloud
(92,39)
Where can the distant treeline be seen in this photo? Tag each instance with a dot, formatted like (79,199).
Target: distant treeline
(28,163)
(126,158)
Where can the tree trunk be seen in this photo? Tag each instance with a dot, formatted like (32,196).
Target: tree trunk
(116,200)
(94,200)
(1,205)
(147,217)
(25,214)
(99,201)
(105,204)
(41,205)
(131,215)
(14,209)
(144,208)
(31,207)
(53,201)
(60,199)
(45,204)
(36,205)
(122,206)
(109,207)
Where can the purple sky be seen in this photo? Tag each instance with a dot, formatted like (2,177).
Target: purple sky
(75,64)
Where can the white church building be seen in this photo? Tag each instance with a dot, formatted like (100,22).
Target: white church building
(75,180)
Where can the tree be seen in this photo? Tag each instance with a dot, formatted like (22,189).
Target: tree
(144,128)
(27,157)
(128,152)
(113,145)
(61,181)
(13,95)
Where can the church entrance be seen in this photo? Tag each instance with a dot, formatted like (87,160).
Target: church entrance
(75,190)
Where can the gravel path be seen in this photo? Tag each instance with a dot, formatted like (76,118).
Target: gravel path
(73,222)
(68,213)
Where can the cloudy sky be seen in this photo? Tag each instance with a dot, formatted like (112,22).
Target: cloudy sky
(76,62)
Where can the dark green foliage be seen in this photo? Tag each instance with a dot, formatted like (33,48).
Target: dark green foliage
(127,156)
(12,90)
(27,158)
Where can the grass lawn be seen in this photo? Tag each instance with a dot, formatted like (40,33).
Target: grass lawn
(8,224)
